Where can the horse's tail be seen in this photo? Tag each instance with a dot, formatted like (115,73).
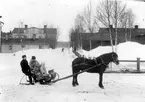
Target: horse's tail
(72,68)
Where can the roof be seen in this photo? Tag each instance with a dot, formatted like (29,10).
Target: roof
(46,30)
(18,30)
(103,33)
(51,30)
(134,31)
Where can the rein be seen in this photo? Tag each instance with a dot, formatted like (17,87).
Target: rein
(82,71)
(75,73)
(102,62)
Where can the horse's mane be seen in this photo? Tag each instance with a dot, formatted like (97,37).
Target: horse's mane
(95,58)
(106,54)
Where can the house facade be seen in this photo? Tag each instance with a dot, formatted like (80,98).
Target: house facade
(34,32)
(28,38)
(102,37)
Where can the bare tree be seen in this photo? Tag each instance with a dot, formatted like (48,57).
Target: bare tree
(89,20)
(58,34)
(127,21)
(118,11)
(74,39)
(103,15)
(84,22)
(114,13)
(79,28)
(76,33)
(130,21)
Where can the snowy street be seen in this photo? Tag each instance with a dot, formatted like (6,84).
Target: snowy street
(118,87)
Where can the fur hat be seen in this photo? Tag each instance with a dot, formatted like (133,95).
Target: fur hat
(23,56)
(33,57)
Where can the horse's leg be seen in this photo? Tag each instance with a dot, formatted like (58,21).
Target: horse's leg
(75,70)
(73,82)
(76,79)
(100,80)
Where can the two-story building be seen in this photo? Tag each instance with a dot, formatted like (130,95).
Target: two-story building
(34,32)
(29,37)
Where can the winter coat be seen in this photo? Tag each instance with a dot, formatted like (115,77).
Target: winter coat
(35,69)
(25,67)
(39,70)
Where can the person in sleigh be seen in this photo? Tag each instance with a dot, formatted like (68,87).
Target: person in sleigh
(39,71)
(26,68)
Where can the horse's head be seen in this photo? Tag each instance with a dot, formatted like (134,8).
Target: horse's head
(115,58)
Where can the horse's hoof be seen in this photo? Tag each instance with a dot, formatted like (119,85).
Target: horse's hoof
(77,84)
(73,85)
(101,86)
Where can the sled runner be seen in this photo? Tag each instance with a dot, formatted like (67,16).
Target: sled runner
(46,79)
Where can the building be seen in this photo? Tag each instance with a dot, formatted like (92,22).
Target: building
(102,37)
(29,37)
(34,32)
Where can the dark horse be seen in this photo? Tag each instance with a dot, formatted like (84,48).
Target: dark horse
(98,65)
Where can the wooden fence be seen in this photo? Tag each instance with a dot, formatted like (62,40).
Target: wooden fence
(138,61)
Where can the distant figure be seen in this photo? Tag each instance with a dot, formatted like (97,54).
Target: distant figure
(62,50)
(26,68)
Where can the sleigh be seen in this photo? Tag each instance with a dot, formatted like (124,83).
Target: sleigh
(42,79)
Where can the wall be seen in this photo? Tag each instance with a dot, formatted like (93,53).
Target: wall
(6,48)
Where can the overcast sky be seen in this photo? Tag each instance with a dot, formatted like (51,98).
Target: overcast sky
(59,13)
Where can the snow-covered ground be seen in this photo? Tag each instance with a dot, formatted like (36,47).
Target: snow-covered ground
(118,87)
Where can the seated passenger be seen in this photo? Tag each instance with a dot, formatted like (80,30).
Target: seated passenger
(39,71)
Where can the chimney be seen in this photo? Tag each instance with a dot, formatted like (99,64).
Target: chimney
(26,26)
(110,26)
(45,26)
(136,26)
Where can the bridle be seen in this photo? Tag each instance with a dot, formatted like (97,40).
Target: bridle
(103,62)
(114,60)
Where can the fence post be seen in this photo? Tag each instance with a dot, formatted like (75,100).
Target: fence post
(138,64)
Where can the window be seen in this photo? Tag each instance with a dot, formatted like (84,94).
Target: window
(40,37)
(23,46)
(40,46)
(34,36)
(10,47)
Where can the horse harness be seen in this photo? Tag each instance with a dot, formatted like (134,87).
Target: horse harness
(98,64)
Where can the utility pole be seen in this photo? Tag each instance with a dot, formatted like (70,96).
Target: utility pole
(1,24)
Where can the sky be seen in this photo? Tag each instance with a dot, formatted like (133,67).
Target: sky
(56,13)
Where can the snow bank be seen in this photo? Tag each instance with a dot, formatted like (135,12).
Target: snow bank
(131,51)
(125,51)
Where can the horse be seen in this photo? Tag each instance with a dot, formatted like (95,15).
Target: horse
(97,65)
